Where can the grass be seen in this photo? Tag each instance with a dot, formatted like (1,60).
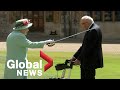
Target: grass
(110,70)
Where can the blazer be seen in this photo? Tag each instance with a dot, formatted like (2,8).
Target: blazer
(90,53)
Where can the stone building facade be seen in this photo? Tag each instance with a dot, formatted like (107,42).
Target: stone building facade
(61,23)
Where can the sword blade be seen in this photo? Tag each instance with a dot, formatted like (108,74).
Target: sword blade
(70,36)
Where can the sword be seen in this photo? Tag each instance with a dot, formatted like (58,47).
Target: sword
(69,36)
(73,34)
(51,44)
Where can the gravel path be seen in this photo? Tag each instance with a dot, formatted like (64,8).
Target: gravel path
(72,47)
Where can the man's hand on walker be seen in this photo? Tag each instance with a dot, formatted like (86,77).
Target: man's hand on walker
(76,62)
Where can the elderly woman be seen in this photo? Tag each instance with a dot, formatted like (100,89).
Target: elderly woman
(17,45)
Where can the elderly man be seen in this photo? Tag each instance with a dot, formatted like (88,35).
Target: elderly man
(17,45)
(89,56)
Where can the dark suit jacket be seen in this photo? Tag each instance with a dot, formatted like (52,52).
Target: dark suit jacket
(90,53)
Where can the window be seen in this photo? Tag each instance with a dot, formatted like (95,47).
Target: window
(18,15)
(41,14)
(56,17)
(63,17)
(24,14)
(35,14)
(49,16)
(14,15)
(107,15)
(29,14)
(97,15)
(117,15)
(74,17)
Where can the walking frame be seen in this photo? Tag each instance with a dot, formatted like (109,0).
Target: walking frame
(63,66)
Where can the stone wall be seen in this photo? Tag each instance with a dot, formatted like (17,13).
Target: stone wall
(110,30)
(5,26)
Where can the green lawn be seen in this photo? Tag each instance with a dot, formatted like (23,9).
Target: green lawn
(111,68)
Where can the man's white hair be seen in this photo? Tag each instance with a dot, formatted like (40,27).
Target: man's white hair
(88,18)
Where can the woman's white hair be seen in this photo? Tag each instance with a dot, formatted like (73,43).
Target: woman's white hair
(88,18)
